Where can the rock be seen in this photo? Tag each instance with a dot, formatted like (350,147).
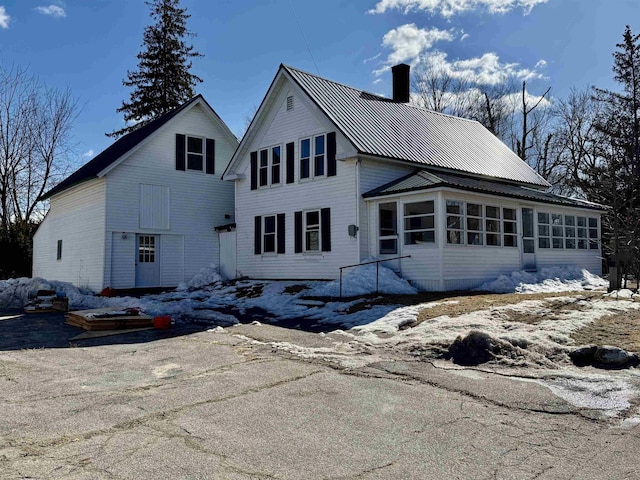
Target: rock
(613,356)
(604,356)
(476,348)
(583,356)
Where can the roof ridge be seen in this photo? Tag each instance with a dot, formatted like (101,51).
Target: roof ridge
(382,97)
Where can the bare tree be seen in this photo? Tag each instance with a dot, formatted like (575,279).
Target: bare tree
(35,131)
(439,90)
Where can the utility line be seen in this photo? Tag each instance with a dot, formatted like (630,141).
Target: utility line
(303,36)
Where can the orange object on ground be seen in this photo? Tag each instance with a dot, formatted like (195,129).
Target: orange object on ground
(162,321)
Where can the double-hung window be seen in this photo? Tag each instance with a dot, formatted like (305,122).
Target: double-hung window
(312,231)
(569,231)
(269,160)
(582,233)
(419,223)
(195,153)
(269,234)
(557,231)
(593,233)
(313,156)
(492,225)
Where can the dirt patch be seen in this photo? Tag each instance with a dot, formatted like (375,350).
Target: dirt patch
(295,289)
(621,330)
(251,291)
(485,301)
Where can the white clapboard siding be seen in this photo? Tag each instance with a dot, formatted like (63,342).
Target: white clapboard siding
(77,218)
(171,260)
(338,193)
(183,203)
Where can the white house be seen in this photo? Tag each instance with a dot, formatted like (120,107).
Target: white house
(142,213)
(328,176)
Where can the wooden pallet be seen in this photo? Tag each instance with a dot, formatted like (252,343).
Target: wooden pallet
(111,318)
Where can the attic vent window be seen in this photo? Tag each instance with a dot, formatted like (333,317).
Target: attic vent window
(289,103)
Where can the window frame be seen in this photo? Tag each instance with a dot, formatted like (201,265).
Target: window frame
(393,234)
(266,234)
(201,154)
(408,231)
(315,164)
(266,175)
(316,228)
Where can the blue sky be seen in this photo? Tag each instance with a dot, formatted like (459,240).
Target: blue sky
(88,46)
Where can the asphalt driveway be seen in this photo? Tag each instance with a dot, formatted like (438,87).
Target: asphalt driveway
(234,404)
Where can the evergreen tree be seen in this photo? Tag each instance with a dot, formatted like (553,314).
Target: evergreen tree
(618,177)
(163,80)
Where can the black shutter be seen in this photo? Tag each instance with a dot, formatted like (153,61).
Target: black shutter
(331,154)
(211,156)
(180,151)
(257,244)
(280,232)
(290,163)
(298,232)
(254,170)
(325,227)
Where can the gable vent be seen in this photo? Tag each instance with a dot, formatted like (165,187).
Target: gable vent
(289,103)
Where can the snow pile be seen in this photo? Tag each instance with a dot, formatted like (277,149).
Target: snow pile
(207,276)
(554,279)
(15,293)
(362,281)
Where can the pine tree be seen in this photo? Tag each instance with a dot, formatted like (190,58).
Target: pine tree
(163,80)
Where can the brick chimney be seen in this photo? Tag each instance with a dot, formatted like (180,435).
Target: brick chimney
(400,82)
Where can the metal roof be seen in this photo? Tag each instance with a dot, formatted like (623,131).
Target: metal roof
(424,180)
(385,128)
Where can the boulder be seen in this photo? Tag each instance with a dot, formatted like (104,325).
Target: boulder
(476,348)
(603,356)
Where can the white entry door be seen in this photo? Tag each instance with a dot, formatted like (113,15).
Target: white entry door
(147,261)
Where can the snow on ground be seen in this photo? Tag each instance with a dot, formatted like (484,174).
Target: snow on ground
(555,279)
(371,330)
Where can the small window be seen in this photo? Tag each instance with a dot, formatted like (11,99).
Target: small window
(593,233)
(419,223)
(319,156)
(312,231)
(269,235)
(264,168)
(146,249)
(509,227)
(305,158)
(195,153)
(275,165)
(59,252)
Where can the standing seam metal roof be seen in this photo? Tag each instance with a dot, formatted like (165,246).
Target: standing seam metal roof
(382,127)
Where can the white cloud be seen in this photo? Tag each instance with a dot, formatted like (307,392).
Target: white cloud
(89,153)
(4,18)
(52,10)
(541,64)
(408,41)
(371,59)
(449,8)
(484,70)
(464,37)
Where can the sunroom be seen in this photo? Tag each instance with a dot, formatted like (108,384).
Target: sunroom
(447,232)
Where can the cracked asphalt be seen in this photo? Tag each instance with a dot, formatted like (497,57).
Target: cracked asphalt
(191,404)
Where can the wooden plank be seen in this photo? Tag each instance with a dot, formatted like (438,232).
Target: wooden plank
(107,333)
(119,320)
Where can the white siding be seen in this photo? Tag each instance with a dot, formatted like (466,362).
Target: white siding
(374,174)
(337,193)
(123,258)
(171,259)
(77,217)
(197,201)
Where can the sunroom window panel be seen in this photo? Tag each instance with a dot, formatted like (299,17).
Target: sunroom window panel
(414,238)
